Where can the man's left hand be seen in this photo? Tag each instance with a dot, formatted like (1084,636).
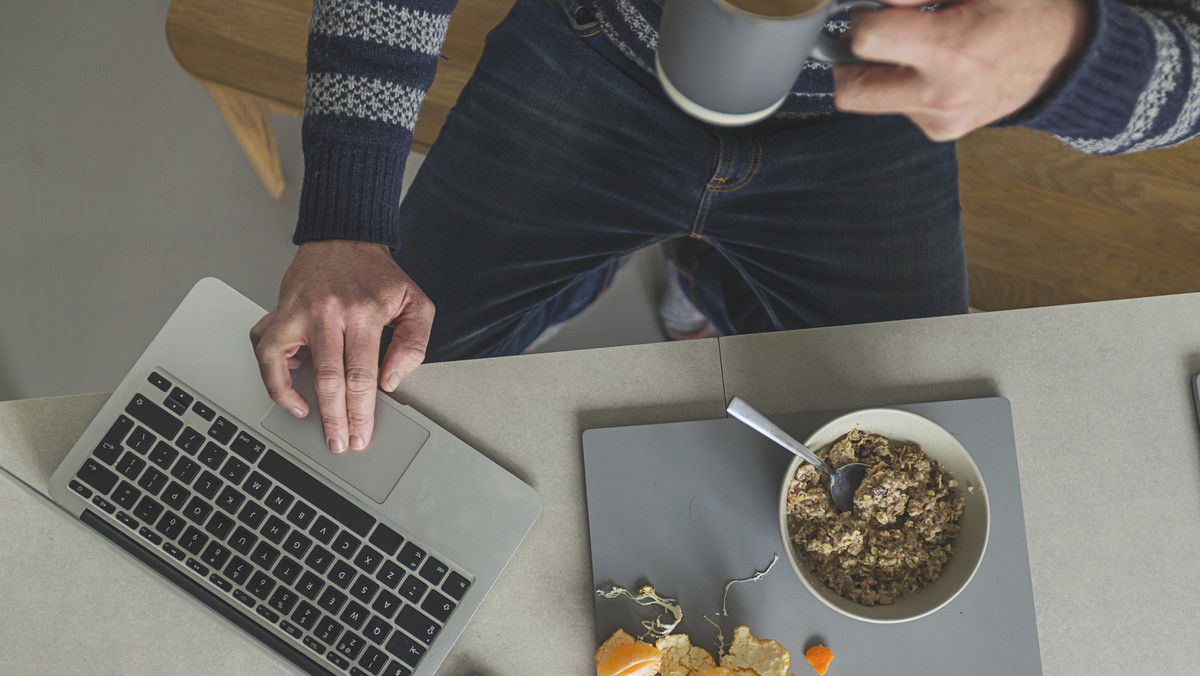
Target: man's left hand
(961,67)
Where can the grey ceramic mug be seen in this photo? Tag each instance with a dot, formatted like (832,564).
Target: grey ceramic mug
(733,62)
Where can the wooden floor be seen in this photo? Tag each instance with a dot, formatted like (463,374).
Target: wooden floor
(1047,225)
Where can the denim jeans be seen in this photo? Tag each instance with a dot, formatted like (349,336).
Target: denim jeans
(562,157)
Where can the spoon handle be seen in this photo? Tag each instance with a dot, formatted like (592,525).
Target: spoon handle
(739,409)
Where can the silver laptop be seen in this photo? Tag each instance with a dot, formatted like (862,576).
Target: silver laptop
(359,563)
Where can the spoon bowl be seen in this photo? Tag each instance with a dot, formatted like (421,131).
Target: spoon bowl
(843,481)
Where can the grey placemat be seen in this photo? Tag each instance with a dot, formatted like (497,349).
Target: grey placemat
(689,506)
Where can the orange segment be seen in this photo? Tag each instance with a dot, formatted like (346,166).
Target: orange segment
(633,659)
(819,657)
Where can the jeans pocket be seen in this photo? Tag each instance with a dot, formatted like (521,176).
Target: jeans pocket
(577,15)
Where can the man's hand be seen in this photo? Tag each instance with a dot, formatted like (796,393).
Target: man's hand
(335,299)
(964,66)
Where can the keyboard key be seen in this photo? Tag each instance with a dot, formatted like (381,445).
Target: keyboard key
(174,551)
(338,660)
(252,514)
(267,613)
(288,570)
(141,440)
(230,499)
(148,510)
(316,493)
(220,583)
(219,525)
(79,488)
(170,525)
(239,570)
(438,607)
(377,630)
(418,624)
(158,381)
(104,504)
(310,585)
(390,574)
(176,496)
(163,454)
(212,455)
(193,540)
(190,441)
(264,555)
(197,511)
(242,540)
(306,615)
(373,660)
(274,529)
(297,544)
(153,481)
(319,559)
(364,588)
(355,615)
(342,574)
(131,465)
(175,407)
(222,430)
(411,556)
(283,600)
(154,416)
(331,599)
(197,567)
(203,411)
(260,585)
(247,446)
(279,499)
(215,555)
(301,515)
(117,433)
(97,476)
(312,645)
(346,544)
(108,451)
(386,604)
(396,669)
(292,630)
(208,484)
(234,470)
(386,539)
(405,648)
(456,585)
(244,597)
(180,397)
(257,485)
(150,535)
(323,530)
(434,570)
(350,645)
(327,630)
(185,470)
(413,588)
(368,559)
(127,520)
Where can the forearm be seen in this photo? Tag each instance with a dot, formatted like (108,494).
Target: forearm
(370,64)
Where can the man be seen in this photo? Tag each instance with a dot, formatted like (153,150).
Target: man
(563,155)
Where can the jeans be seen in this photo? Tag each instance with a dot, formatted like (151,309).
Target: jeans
(562,157)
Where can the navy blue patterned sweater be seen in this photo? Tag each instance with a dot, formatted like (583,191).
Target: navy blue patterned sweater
(370,63)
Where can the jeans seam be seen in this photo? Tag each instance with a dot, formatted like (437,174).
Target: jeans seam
(721,161)
(755,164)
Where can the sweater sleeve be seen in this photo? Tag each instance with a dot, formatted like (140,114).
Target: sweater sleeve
(370,63)
(1137,87)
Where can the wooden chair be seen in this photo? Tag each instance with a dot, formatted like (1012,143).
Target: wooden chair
(1044,224)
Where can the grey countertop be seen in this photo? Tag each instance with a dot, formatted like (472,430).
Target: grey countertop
(1107,441)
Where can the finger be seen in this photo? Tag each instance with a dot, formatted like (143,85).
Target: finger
(409,342)
(271,350)
(901,36)
(362,353)
(329,380)
(875,88)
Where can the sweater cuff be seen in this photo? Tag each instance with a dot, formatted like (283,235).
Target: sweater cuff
(351,192)
(1098,98)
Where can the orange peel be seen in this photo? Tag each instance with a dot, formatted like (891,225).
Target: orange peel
(631,659)
(819,657)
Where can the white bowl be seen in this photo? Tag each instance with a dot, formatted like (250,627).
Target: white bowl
(974,523)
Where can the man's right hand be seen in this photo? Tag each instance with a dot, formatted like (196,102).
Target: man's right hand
(334,300)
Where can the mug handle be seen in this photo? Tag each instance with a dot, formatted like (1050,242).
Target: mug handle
(834,49)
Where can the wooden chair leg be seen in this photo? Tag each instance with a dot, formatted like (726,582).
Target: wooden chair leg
(249,118)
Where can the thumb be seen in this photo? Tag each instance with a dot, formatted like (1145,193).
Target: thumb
(406,350)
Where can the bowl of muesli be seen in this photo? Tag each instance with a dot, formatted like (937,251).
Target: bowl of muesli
(918,529)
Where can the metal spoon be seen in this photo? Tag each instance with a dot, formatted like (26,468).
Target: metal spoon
(843,482)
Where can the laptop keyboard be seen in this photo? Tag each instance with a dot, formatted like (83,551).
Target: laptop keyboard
(260,530)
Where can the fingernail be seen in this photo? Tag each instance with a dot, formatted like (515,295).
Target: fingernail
(357,443)
(298,412)
(337,445)
(393,380)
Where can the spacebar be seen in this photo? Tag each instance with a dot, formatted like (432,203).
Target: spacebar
(321,496)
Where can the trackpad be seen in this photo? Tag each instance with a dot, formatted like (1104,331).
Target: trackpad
(373,471)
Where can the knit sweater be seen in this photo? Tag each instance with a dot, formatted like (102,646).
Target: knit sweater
(370,63)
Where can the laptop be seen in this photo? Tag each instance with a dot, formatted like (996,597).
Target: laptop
(361,563)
